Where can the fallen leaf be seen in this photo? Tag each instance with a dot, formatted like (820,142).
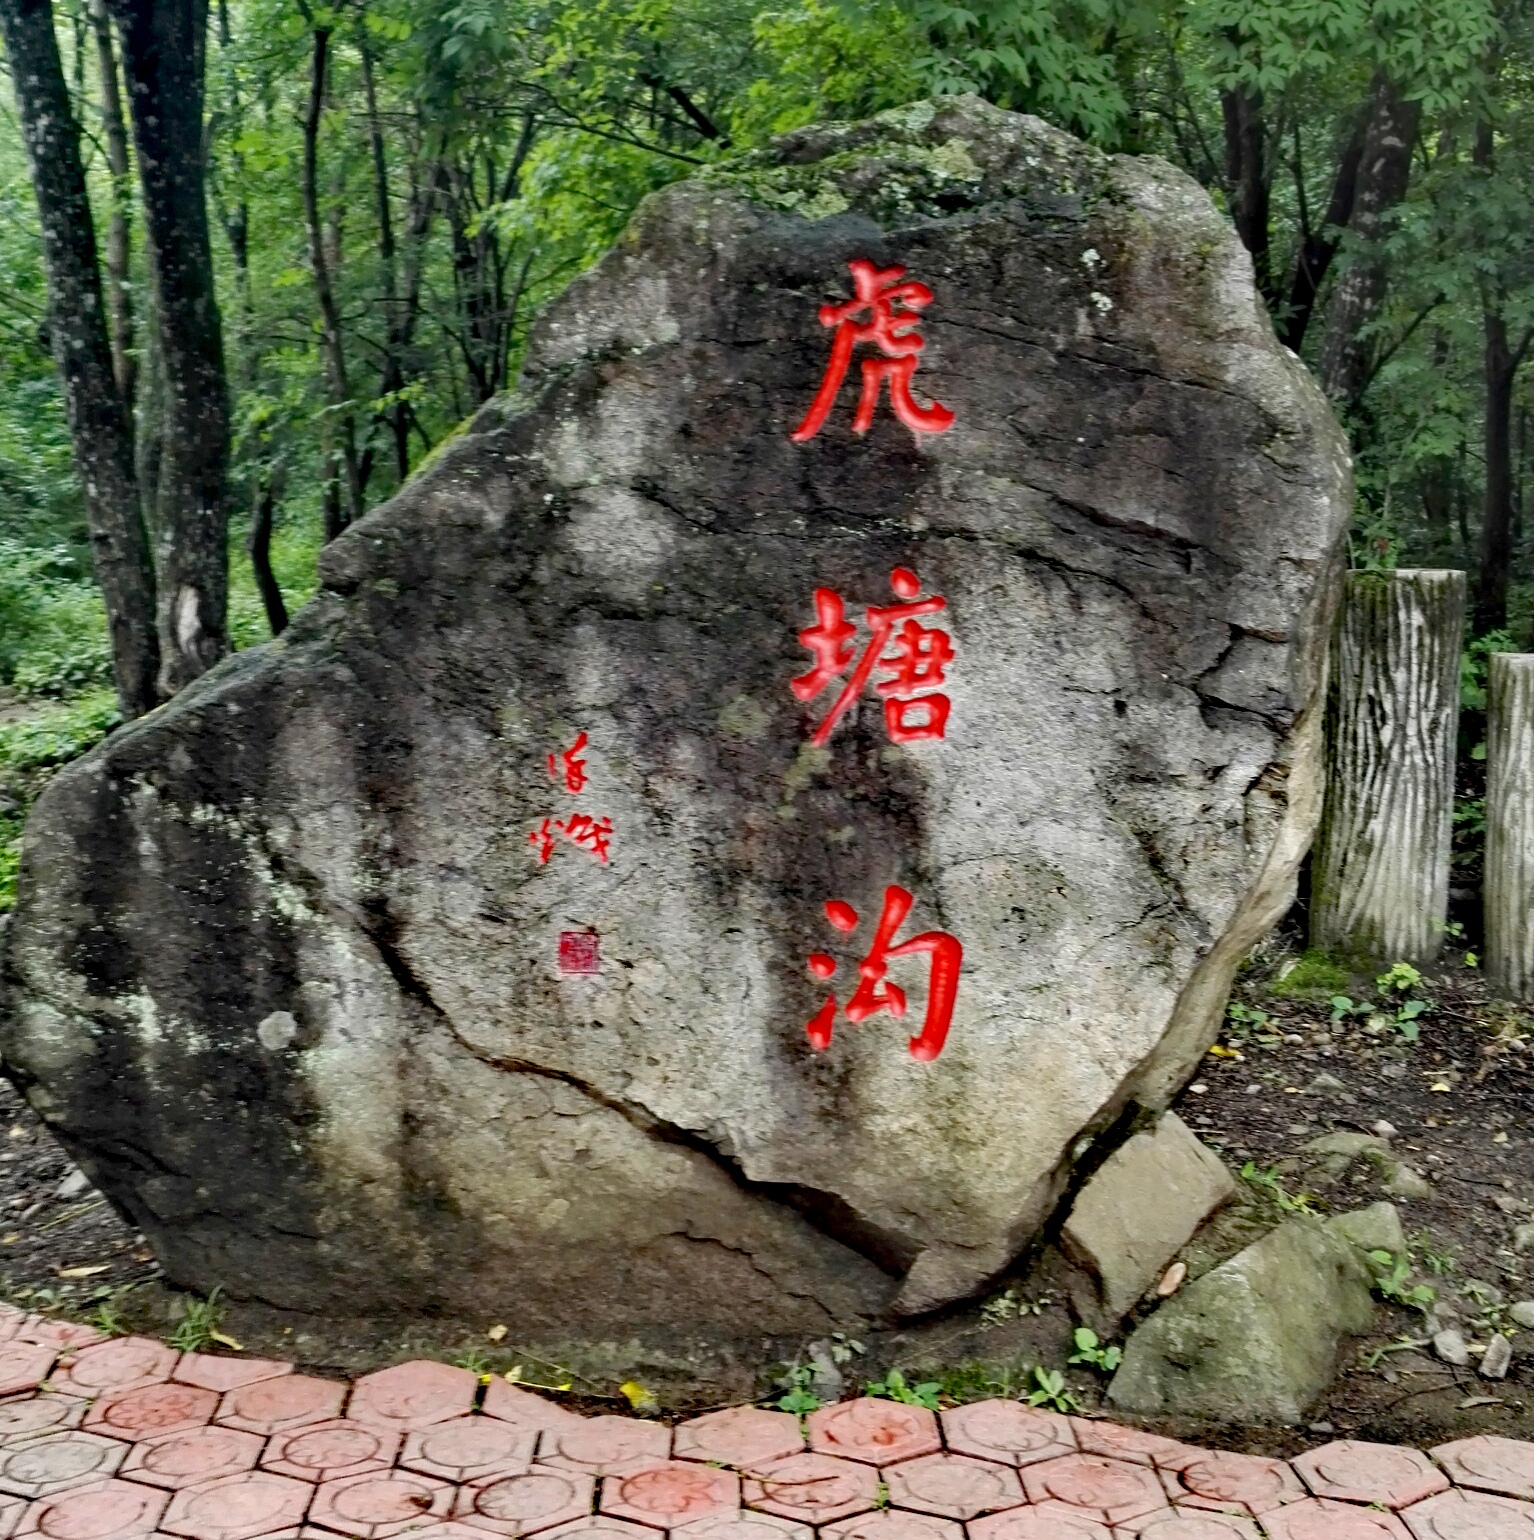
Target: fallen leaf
(228,1342)
(10,1240)
(1499,1138)
(496,1334)
(83,1272)
(1470,1401)
(643,1401)
(1440,1085)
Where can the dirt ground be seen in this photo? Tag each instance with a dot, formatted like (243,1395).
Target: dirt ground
(1459,1099)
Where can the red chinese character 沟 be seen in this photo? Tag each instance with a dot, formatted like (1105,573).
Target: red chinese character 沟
(573,773)
(893,332)
(916,666)
(874,993)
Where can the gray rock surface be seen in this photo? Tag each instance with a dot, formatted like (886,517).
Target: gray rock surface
(1139,1209)
(1254,1340)
(1522,1313)
(285,972)
(1323,1162)
(1497,1359)
(1450,1345)
(1376,1228)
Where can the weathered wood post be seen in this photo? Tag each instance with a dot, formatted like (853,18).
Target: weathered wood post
(1509,872)
(1380,876)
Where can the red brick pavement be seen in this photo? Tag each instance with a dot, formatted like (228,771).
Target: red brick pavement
(125,1439)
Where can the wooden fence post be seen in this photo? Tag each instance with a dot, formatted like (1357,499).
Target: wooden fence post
(1380,874)
(1508,884)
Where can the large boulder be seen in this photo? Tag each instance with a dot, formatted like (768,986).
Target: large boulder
(291,977)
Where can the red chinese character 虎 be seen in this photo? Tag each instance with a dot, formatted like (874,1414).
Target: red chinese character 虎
(874,993)
(893,332)
(917,664)
(573,773)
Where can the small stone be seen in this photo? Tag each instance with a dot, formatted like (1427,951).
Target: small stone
(1522,1313)
(1385,1129)
(1497,1357)
(1323,1427)
(1403,1182)
(1376,1228)
(73,1185)
(1450,1346)
(1508,1204)
(1523,1238)
(1325,1082)
(1171,1280)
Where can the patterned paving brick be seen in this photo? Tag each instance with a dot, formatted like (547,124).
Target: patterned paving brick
(812,1488)
(104,1510)
(604,1446)
(744,1526)
(413,1395)
(11,1321)
(1322,1518)
(225,1374)
(151,1409)
(1046,1521)
(237,1507)
(24,1366)
(871,1429)
(1490,1464)
(31,1416)
(182,1459)
(274,1406)
(380,1504)
(1355,1472)
(1189,1526)
(894,1524)
(672,1493)
(524,1505)
(740,1435)
(325,1451)
(61,1336)
(1132,1444)
(12,1511)
(1232,1483)
(1007,1431)
(953,1486)
(124,1363)
(599,1526)
(513,1404)
(60,1460)
(1110,1491)
(469,1447)
(1470,1516)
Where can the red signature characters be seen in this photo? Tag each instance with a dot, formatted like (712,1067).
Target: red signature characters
(593,835)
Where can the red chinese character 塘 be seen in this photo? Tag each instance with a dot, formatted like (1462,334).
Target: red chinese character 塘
(874,993)
(893,332)
(570,767)
(915,666)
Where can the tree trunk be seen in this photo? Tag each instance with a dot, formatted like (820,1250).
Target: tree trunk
(1508,885)
(391,374)
(260,549)
(1501,368)
(1380,873)
(163,50)
(1319,246)
(1246,174)
(98,421)
(333,345)
(114,132)
(1347,353)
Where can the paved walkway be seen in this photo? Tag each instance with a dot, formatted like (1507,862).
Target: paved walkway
(115,1439)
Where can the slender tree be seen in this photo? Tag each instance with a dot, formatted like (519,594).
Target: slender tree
(98,418)
(164,55)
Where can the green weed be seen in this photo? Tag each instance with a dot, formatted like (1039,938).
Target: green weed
(1050,1390)
(1089,1350)
(893,1387)
(199,1325)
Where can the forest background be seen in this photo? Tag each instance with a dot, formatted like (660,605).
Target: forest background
(318,241)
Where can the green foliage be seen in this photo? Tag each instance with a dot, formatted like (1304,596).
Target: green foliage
(1089,1350)
(893,1387)
(1392,1277)
(799,1399)
(1344,1006)
(53,629)
(1246,1020)
(1049,1389)
(200,1323)
(1266,1181)
(1009,1305)
(1312,976)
